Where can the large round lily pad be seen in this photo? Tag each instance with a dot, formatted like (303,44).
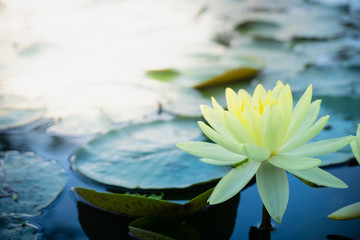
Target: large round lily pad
(145,156)
(28,183)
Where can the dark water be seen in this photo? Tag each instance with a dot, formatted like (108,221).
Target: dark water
(305,217)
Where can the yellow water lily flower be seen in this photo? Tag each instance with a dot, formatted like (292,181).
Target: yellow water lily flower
(351,211)
(264,135)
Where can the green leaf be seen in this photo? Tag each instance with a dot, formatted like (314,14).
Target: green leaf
(139,206)
(152,228)
(145,156)
(349,212)
(229,76)
(163,74)
(29,183)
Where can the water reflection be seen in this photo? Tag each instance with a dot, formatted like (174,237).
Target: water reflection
(215,222)
(259,234)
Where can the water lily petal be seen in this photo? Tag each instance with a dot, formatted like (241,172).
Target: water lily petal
(322,147)
(253,152)
(308,120)
(320,177)
(349,212)
(211,151)
(291,162)
(273,187)
(218,138)
(355,145)
(232,101)
(250,118)
(233,182)
(271,126)
(258,95)
(237,129)
(214,120)
(278,89)
(219,162)
(306,136)
(299,112)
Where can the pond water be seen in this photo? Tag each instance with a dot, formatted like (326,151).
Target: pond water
(305,217)
(71,71)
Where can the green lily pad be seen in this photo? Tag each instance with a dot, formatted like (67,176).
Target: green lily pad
(28,183)
(139,206)
(16,111)
(211,73)
(17,228)
(153,228)
(145,156)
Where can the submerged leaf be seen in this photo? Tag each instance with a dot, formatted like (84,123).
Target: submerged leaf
(153,228)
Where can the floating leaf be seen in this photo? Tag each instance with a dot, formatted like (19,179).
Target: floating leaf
(98,108)
(28,183)
(145,156)
(17,111)
(333,81)
(280,62)
(215,72)
(152,228)
(12,227)
(305,23)
(139,206)
(260,28)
